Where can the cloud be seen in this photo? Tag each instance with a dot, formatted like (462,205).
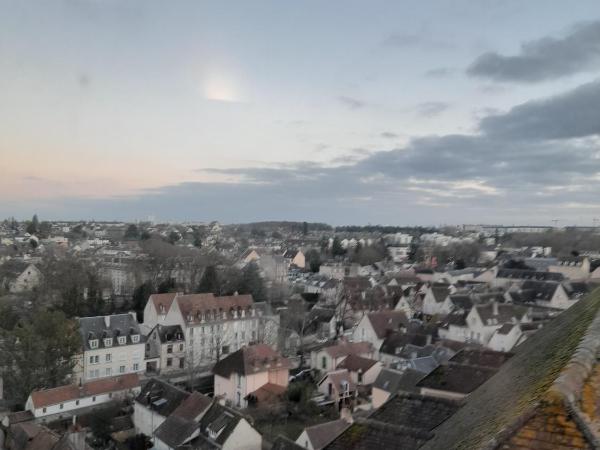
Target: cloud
(573,114)
(389,135)
(431,109)
(544,59)
(351,102)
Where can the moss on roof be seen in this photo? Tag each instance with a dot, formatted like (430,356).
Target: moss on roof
(520,384)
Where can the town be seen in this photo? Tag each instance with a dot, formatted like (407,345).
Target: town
(290,335)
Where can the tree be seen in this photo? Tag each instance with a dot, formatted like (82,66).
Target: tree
(132,232)
(313,258)
(38,354)
(252,283)
(174,236)
(167,285)
(140,297)
(145,235)
(33,226)
(336,247)
(304,228)
(209,281)
(45,229)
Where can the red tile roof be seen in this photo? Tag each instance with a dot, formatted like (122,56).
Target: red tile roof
(195,305)
(250,360)
(70,392)
(163,299)
(349,348)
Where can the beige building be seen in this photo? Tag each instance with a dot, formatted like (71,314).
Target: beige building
(246,371)
(165,349)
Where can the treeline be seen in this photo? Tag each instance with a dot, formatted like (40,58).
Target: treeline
(563,243)
(384,229)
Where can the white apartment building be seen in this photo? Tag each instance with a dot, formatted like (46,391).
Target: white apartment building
(112,345)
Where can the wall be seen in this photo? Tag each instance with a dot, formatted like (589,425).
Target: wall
(243,437)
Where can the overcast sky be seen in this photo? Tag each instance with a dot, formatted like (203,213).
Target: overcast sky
(347,112)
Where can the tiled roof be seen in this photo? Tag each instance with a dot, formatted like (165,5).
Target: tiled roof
(195,307)
(354,363)
(268,393)
(459,378)
(118,325)
(385,322)
(70,392)
(162,302)
(183,422)
(532,400)
(349,348)
(372,434)
(481,357)
(249,360)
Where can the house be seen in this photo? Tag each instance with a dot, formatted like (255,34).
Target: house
(436,300)
(328,358)
(321,322)
(156,401)
(295,258)
(363,371)
(338,387)
(112,345)
(165,349)
(574,268)
(68,400)
(541,396)
(318,436)
(19,276)
(224,428)
(212,326)
(376,326)
(183,424)
(506,337)
(550,294)
(240,374)
(391,381)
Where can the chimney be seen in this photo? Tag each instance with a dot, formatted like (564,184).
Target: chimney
(495,308)
(107,321)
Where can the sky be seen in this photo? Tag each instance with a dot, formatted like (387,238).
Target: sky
(345,112)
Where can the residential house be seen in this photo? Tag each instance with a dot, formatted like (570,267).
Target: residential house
(165,349)
(391,381)
(337,386)
(318,436)
(183,424)
(19,276)
(436,300)
(112,345)
(363,371)
(327,358)
(506,337)
(574,268)
(295,258)
(68,400)
(156,401)
(240,374)
(376,326)
(550,294)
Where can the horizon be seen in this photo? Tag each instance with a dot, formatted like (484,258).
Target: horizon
(392,112)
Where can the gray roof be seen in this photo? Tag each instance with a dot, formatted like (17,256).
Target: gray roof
(161,397)
(390,380)
(118,325)
(322,434)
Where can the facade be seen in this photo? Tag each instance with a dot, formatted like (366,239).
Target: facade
(19,276)
(327,358)
(165,349)
(67,400)
(112,345)
(376,326)
(245,371)
(338,387)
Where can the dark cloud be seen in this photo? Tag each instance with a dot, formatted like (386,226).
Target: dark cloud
(570,115)
(545,58)
(389,135)
(431,109)
(351,102)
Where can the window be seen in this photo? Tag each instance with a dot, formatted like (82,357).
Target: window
(94,343)
(122,340)
(169,349)
(91,374)
(94,398)
(108,342)
(225,349)
(110,395)
(108,357)
(76,402)
(239,399)
(181,363)
(43,410)
(135,338)
(360,376)
(108,371)
(136,367)
(243,335)
(253,335)
(169,362)
(121,369)
(239,380)
(61,406)
(324,362)
(180,347)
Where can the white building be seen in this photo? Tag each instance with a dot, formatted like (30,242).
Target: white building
(112,345)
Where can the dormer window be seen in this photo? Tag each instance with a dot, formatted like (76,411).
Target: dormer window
(135,338)
(122,340)
(108,342)
(93,343)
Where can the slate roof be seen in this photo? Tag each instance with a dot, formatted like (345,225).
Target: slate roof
(221,420)
(162,397)
(481,357)
(459,378)
(384,322)
(440,292)
(461,301)
(170,333)
(401,340)
(322,434)
(284,443)
(13,268)
(349,348)
(519,274)
(372,434)
(249,360)
(119,325)
(539,374)
(506,312)
(70,392)
(182,423)
(415,411)
(542,290)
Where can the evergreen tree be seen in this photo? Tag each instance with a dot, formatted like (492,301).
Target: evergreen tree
(33,226)
(252,283)
(336,247)
(209,281)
